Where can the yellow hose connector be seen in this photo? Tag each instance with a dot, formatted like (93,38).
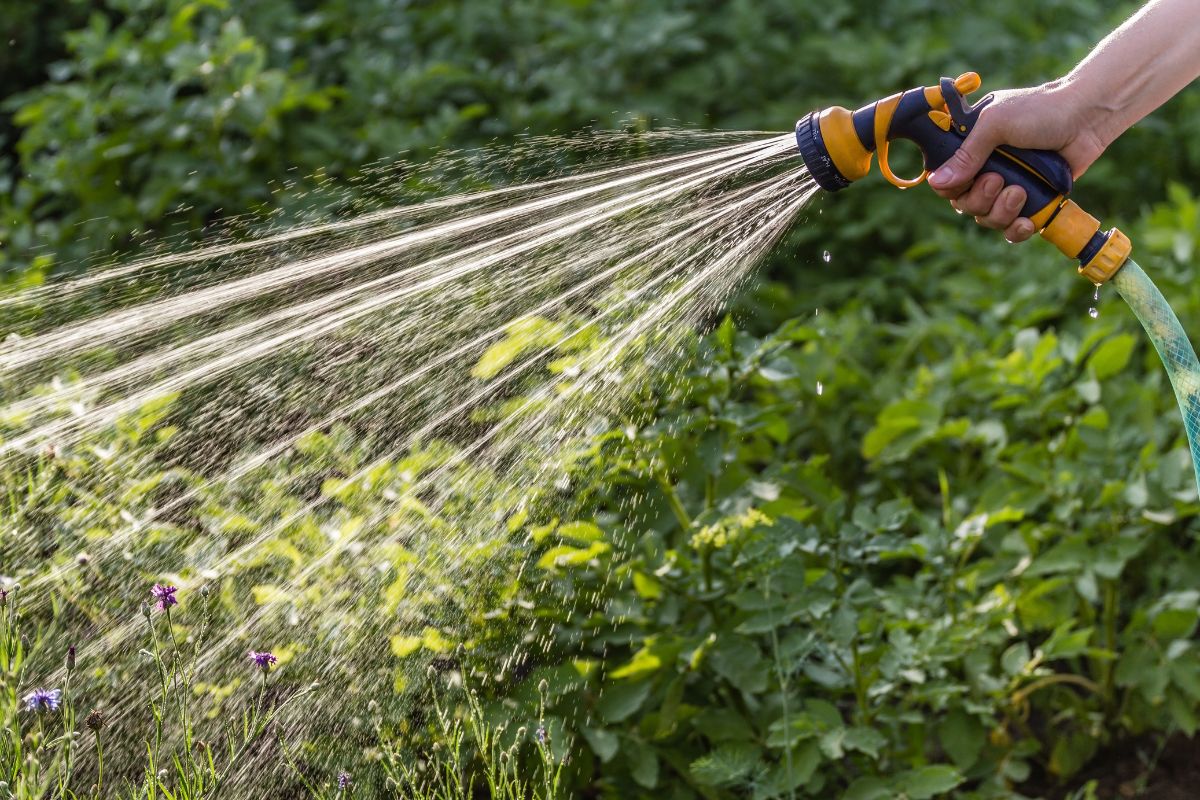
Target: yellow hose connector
(1111,258)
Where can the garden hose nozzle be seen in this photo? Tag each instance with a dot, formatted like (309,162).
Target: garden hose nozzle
(836,145)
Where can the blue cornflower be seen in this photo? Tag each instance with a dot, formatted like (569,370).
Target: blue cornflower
(43,700)
(263,660)
(165,595)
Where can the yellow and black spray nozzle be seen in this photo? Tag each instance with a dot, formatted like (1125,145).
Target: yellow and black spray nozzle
(837,145)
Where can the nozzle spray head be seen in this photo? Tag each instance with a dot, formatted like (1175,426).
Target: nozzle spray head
(837,145)
(815,152)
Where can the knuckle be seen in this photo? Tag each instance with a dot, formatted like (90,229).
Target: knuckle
(979,203)
(1001,219)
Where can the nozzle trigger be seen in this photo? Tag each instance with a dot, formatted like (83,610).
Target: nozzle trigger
(962,113)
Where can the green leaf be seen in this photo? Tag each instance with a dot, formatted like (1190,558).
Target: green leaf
(1112,356)
(902,418)
(527,334)
(648,587)
(1071,752)
(1175,623)
(789,773)
(604,744)
(404,646)
(869,788)
(726,765)
(643,765)
(962,737)
(619,701)
(737,659)
(1015,658)
(926,782)
(645,662)
(567,556)
(582,532)
(864,740)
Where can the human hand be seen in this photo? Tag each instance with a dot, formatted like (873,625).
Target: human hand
(1046,117)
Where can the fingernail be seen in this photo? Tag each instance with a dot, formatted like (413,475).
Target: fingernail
(1026,228)
(942,176)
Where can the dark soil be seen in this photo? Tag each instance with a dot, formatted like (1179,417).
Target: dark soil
(1145,769)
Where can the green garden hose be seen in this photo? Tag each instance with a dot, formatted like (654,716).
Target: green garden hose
(1172,344)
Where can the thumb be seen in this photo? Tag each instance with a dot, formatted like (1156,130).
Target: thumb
(966,162)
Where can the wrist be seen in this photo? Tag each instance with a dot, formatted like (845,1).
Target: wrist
(1089,110)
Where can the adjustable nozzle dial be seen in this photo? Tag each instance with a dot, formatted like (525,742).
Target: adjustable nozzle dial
(816,154)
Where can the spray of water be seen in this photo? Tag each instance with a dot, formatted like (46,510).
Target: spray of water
(334,425)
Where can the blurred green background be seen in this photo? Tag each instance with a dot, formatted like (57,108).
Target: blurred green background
(998,482)
(126,118)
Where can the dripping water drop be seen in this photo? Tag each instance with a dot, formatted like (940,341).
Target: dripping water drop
(826,257)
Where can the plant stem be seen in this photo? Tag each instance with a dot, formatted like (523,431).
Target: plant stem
(674,502)
(860,684)
(782,676)
(99,766)
(1110,641)
(1022,694)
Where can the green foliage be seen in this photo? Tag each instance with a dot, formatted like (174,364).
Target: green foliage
(450,771)
(960,565)
(169,114)
(933,539)
(44,750)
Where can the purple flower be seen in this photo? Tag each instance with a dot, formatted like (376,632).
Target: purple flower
(264,660)
(43,700)
(3,597)
(343,781)
(165,595)
(541,734)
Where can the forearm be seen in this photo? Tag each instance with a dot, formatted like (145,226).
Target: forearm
(1137,67)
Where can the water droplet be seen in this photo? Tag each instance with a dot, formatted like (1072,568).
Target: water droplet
(820,388)
(826,257)
(1093,312)
(816,312)
(1096,294)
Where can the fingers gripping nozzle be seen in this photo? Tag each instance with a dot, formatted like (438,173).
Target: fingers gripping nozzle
(838,145)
